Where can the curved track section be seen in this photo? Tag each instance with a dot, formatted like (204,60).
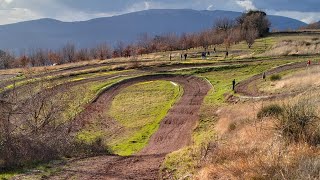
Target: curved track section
(176,129)
(175,132)
(249,89)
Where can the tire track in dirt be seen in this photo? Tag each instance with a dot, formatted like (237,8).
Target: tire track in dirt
(175,132)
(161,67)
(249,88)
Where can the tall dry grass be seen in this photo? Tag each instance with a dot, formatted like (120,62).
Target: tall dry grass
(304,79)
(257,149)
(294,47)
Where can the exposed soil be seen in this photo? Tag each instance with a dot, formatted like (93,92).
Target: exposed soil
(174,133)
(160,67)
(113,167)
(250,88)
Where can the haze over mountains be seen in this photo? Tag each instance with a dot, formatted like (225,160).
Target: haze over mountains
(50,33)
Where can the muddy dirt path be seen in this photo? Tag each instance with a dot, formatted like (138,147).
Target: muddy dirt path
(174,133)
(250,88)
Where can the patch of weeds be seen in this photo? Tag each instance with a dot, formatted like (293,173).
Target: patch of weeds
(91,143)
(299,122)
(233,126)
(275,77)
(272,110)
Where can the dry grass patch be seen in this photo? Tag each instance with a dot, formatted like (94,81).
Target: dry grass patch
(257,149)
(294,47)
(294,82)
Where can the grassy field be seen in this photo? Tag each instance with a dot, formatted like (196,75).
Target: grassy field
(138,110)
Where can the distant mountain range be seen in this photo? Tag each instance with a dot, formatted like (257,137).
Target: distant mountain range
(315,25)
(50,33)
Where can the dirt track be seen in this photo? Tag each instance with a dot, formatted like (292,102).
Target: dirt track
(174,133)
(249,87)
(161,67)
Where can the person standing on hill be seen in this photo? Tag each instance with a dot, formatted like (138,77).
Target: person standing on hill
(264,76)
(203,55)
(233,85)
(308,63)
(185,56)
(227,54)
(170,57)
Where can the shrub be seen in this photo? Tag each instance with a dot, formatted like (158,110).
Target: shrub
(272,110)
(35,130)
(23,151)
(308,43)
(299,122)
(232,126)
(275,77)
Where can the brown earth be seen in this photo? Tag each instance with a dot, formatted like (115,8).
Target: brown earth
(113,167)
(250,88)
(174,133)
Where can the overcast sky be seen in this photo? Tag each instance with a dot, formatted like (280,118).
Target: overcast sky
(76,10)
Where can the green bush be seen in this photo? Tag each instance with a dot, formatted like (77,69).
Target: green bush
(272,110)
(275,77)
(299,122)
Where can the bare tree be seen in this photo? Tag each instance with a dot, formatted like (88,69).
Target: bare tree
(55,57)
(223,28)
(83,55)
(69,53)
(223,24)
(103,51)
(42,57)
(128,51)
(204,39)
(144,43)
(119,49)
(36,128)
(23,61)
(250,36)
(6,59)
